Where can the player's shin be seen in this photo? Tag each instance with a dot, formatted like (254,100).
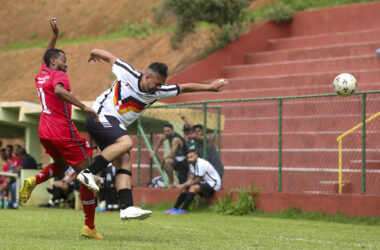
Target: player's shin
(88,199)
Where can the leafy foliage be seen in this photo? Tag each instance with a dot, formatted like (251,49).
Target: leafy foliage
(279,12)
(227,15)
(245,202)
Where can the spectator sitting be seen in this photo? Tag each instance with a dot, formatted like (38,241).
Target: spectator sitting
(60,189)
(204,180)
(27,161)
(12,165)
(3,180)
(176,160)
(212,155)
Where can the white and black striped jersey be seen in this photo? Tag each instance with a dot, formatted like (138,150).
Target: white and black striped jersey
(204,169)
(125,100)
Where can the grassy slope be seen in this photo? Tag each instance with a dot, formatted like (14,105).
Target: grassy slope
(59,229)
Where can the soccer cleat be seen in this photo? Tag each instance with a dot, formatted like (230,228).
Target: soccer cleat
(91,233)
(170,211)
(87,179)
(27,188)
(134,213)
(179,211)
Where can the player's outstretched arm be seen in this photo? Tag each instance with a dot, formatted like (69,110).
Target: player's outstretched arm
(214,86)
(66,96)
(97,55)
(55,30)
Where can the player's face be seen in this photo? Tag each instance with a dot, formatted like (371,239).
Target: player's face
(198,131)
(192,157)
(168,132)
(153,83)
(61,62)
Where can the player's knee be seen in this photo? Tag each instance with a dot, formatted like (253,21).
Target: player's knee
(125,143)
(194,188)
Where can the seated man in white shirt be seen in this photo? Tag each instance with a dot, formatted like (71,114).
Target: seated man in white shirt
(204,180)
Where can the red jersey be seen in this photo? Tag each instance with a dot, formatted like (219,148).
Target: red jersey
(55,120)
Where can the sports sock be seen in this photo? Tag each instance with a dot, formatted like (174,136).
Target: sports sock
(125,197)
(98,165)
(181,198)
(188,200)
(50,171)
(88,199)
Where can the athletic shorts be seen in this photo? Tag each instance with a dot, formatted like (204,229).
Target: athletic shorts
(206,190)
(182,170)
(73,152)
(106,131)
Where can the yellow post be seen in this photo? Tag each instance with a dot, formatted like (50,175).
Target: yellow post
(340,178)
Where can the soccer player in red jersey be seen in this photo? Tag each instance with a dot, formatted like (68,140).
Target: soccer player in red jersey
(57,131)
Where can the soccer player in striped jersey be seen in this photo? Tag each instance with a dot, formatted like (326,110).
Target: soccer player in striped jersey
(129,96)
(57,131)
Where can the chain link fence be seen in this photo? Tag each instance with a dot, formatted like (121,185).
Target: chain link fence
(285,144)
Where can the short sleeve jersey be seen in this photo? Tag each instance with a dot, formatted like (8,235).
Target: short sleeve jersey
(55,120)
(125,100)
(204,169)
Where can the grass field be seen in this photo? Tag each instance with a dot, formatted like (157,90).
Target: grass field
(37,228)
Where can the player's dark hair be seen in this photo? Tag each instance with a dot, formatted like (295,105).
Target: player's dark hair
(198,126)
(192,151)
(159,68)
(51,53)
(168,125)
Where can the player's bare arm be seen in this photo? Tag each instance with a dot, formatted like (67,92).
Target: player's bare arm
(157,146)
(97,55)
(55,30)
(184,186)
(176,144)
(214,86)
(66,96)
(189,123)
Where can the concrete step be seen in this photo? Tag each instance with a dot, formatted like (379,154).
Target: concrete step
(343,64)
(330,51)
(296,139)
(290,124)
(278,91)
(369,35)
(299,80)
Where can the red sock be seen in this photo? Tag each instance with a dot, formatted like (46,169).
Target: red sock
(88,199)
(50,171)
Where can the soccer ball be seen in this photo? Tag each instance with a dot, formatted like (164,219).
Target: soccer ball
(345,84)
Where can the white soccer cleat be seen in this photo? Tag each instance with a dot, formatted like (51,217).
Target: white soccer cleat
(134,213)
(88,179)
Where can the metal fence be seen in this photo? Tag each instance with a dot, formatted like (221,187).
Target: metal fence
(284,144)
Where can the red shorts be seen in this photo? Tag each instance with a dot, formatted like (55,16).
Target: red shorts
(73,152)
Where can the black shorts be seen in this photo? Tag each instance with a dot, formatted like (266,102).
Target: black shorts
(182,170)
(206,190)
(105,132)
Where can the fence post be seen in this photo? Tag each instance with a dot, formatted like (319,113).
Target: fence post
(205,130)
(280,145)
(138,152)
(151,160)
(363,141)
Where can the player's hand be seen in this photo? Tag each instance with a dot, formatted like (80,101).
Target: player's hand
(54,26)
(218,84)
(92,113)
(94,58)
(151,154)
